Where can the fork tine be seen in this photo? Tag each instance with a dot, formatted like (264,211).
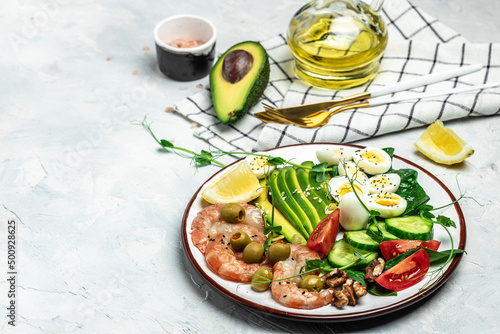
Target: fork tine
(268,105)
(266,118)
(278,115)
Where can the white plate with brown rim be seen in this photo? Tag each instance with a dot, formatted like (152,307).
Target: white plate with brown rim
(368,306)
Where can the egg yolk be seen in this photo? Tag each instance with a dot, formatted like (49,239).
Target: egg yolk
(346,188)
(387,199)
(373,157)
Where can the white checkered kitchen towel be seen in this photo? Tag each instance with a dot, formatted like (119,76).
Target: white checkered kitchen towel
(418,45)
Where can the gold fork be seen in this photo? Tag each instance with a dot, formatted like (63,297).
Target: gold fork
(302,115)
(308,109)
(314,120)
(320,118)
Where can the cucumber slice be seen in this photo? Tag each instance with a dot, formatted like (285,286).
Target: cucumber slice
(410,227)
(373,230)
(361,240)
(342,256)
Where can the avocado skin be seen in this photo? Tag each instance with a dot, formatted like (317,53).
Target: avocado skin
(287,228)
(251,96)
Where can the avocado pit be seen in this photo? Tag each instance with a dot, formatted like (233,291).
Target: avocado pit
(236,65)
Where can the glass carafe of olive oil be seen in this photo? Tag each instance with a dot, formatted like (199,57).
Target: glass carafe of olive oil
(337,44)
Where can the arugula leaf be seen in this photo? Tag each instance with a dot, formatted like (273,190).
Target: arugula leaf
(426,207)
(377,290)
(438,257)
(318,264)
(358,254)
(389,150)
(377,235)
(411,190)
(356,275)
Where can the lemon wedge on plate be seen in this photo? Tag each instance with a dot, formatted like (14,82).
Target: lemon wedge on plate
(239,184)
(442,145)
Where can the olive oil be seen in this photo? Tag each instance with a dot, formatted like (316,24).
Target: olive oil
(337,44)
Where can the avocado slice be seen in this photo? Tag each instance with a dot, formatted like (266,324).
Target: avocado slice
(315,197)
(279,219)
(287,195)
(279,201)
(302,198)
(320,188)
(238,80)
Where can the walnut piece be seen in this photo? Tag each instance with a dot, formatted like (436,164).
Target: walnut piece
(339,299)
(334,278)
(351,291)
(359,289)
(374,270)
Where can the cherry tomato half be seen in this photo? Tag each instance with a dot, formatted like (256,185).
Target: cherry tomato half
(323,237)
(392,248)
(407,273)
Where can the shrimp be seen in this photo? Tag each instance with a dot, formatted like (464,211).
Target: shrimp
(211,235)
(228,264)
(209,223)
(286,291)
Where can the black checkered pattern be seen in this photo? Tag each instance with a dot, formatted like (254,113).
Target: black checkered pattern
(418,45)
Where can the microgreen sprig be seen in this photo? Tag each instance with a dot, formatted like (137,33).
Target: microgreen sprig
(446,223)
(206,158)
(309,267)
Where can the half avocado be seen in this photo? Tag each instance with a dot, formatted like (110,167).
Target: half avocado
(238,80)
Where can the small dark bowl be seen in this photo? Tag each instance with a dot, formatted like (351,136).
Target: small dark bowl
(185,64)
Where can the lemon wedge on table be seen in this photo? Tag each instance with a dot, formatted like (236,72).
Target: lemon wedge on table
(239,184)
(442,145)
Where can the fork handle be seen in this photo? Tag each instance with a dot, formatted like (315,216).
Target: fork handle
(386,100)
(425,80)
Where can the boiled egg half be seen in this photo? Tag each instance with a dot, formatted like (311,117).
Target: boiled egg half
(388,204)
(383,183)
(340,186)
(260,166)
(372,160)
(349,169)
(353,216)
(333,155)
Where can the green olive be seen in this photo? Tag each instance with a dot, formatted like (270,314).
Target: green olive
(239,240)
(253,252)
(311,283)
(279,251)
(232,213)
(260,279)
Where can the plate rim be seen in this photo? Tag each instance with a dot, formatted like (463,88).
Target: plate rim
(337,317)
